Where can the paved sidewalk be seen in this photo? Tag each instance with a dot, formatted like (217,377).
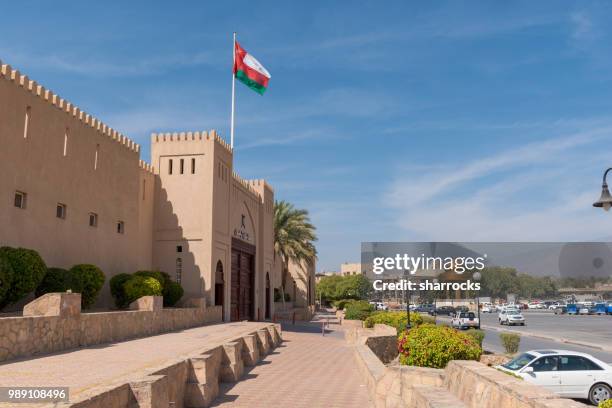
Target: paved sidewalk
(307,370)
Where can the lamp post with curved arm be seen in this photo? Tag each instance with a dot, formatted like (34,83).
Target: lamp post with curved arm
(605,201)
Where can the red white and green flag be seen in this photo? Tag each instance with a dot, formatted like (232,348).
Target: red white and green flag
(249,71)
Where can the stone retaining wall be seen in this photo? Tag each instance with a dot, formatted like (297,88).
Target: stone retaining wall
(43,333)
(190,381)
(462,384)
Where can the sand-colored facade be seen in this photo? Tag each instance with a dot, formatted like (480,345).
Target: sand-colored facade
(76,191)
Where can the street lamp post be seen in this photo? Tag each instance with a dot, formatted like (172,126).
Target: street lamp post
(605,201)
(407,300)
(477,276)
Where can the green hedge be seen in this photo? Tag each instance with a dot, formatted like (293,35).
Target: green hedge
(358,310)
(139,286)
(88,280)
(28,271)
(56,280)
(341,304)
(393,318)
(510,341)
(434,346)
(172,292)
(6,277)
(118,291)
(477,335)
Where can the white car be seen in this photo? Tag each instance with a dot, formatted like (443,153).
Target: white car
(381,306)
(465,320)
(569,374)
(511,317)
(487,309)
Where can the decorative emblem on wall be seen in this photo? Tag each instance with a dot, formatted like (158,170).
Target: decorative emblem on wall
(242,232)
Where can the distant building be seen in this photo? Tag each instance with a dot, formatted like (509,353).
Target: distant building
(321,275)
(347,269)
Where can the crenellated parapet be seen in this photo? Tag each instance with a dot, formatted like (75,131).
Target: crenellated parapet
(260,183)
(246,184)
(191,136)
(146,167)
(13,75)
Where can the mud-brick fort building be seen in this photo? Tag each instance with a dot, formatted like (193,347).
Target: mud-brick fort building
(76,191)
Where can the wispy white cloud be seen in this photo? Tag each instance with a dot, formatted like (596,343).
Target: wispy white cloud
(536,192)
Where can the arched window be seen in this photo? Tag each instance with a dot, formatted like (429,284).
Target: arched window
(179,269)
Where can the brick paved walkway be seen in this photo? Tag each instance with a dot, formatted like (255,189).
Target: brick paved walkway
(307,370)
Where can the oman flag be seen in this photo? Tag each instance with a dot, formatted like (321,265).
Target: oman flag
(249,71)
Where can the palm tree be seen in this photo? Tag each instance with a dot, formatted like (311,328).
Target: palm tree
(293,239)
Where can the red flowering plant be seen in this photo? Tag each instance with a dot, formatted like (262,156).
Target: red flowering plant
(434,346)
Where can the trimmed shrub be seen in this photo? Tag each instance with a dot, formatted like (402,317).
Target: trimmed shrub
(341,304)
(358,310)
(510,341)
(139,286)
(6,278)
(393,319)
(28,271)
(477,335)
(428,319)
(605,404)
(172,292)
(162,277)
(434,346)
(88,280)
(117,290)
(56,280)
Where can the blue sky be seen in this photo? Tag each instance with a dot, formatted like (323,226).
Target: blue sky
(461,121)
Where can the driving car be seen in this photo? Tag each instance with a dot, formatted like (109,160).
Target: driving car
(569,374)
(465,320)
(511,317)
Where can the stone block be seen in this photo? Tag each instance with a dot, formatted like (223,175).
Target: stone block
(250,350)
(55,304)
(264,341)
(202,385)
(148,303)
(151,392)
(232,365)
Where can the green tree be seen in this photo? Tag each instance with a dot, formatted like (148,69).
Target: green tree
(498,281)
(28,272)
(294,238)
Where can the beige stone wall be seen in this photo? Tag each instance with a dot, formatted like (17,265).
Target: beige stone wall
(301,284)
(28,336)
(68,157)
(71,158)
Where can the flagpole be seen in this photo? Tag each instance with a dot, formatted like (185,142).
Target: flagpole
(233,91)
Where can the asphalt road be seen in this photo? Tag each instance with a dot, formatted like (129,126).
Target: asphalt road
(545,330)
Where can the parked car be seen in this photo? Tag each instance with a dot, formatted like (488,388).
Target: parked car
(572,309)
(609,308)
(584,310)
(462,309)
(465,320)
(561,310)
(511,317)
(486,308)
(381,306)
(567,373)
(424,308)
(443,310)
(600,309)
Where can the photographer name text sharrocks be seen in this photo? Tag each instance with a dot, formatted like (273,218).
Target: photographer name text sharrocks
(426,285)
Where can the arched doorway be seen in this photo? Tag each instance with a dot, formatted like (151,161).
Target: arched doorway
(268,297)
(219,286)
